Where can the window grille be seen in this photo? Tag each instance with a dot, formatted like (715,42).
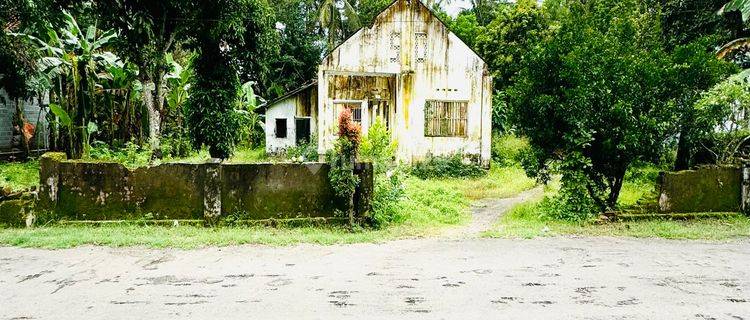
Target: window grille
(420,47)
(445,118)
(395,46)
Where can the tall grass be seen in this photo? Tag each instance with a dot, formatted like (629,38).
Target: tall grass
(19,176)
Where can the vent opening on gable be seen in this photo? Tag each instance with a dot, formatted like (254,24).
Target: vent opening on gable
(420,46)
(395,46)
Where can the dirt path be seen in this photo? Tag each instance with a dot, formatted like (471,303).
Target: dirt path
(486,212)
(549,278)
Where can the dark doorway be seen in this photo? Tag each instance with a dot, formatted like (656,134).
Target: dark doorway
(281,128)
(302,130)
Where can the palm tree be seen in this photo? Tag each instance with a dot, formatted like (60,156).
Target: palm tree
(338,18)
(743,7)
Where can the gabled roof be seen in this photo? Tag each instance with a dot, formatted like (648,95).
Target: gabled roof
(432,12)
(304,86)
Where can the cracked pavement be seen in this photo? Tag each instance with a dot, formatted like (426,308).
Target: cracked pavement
(545,278)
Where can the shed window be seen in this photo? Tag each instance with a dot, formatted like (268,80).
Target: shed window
(445,118)
(281,128)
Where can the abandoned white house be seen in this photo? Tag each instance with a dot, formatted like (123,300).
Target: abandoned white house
(431,90)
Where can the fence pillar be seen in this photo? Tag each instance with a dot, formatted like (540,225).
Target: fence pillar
(212,192)
(746,186)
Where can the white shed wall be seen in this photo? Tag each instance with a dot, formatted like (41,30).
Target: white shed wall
(283,109)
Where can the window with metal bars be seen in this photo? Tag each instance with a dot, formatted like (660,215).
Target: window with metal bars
(357,114)
(445,118)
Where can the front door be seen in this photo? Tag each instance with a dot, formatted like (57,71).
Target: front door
(302,130)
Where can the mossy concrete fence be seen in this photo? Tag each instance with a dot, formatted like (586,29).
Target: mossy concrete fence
(706,189)
(76,190)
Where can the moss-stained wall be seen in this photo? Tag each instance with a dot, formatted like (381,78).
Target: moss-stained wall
(77,190)
(709,189)
(280,190)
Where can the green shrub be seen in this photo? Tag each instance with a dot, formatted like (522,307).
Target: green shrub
(388,191)
(342,158)
(176,146)
(509,150)
(378,148)
(306,151)
(211,115)
(19,176)
(246,155)
(572,203)
(131,156)
(446,166)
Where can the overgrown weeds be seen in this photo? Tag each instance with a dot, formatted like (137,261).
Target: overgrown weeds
(18,176)
(451,166)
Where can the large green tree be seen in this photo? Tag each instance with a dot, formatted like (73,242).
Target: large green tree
(211,113)
(699,70)
(691,32)
(505,44)
(467,27)
(339,19)
(300,48)
(597,96)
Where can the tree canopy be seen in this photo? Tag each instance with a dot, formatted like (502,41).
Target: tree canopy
(597,95)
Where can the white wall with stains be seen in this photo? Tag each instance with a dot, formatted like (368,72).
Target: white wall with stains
(429,62)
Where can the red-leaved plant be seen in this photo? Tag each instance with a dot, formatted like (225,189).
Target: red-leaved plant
(349,130)
(342,158)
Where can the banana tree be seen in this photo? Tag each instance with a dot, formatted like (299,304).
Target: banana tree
(70,65)
(246,106)
(116,83)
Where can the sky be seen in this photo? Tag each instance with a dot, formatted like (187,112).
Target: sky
(456,6)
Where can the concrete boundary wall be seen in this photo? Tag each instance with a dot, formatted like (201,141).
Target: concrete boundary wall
(77,190)
(706,189)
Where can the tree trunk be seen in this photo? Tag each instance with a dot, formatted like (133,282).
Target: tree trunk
(155,105)
(614,190)
(154,118)
(682,161)
(351,211)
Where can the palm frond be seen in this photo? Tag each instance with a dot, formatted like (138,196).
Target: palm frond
(732,46)
(743,6)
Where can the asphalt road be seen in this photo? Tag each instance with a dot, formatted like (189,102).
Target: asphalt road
(550,278)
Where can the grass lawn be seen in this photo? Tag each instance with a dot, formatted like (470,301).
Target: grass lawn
(187,237)
(19,176)
(638,196)
(524,222)
(428,207)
